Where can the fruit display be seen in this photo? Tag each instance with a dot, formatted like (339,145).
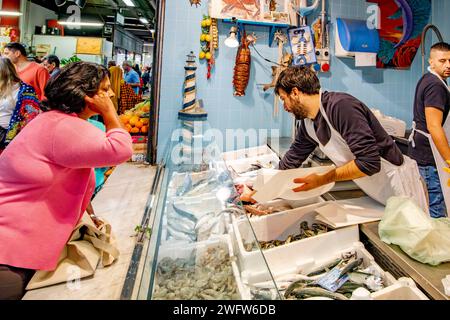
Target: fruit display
(136,120)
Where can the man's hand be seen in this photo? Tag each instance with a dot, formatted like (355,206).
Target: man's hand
(310,182)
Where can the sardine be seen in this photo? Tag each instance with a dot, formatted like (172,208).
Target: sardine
(301,293)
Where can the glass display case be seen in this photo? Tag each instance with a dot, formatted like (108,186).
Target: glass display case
(192,253)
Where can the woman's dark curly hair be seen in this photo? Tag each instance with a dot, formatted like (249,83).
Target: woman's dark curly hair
(66,91)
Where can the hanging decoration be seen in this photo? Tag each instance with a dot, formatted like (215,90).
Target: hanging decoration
(196,2)
(401,25)
(302,45)
(209,40)
(243,65)
(284,60)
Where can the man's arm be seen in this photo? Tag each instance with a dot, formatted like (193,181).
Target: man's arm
(300,150)
(350,171)
(434,117)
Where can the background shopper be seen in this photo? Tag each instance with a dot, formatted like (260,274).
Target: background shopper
(18,103)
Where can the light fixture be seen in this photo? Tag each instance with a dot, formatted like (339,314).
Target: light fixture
(152,30)
(129,3)
(83,24)
(232,41)
(143,20)
(10,13)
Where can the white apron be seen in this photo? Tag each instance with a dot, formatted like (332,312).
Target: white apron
(391,181)
(440,162)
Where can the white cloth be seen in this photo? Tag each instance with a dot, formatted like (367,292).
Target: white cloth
(7,106)
(440,161)
(391,181)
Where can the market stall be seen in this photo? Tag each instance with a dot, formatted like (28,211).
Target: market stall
(202,229)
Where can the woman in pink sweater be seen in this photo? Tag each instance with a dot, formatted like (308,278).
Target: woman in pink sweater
(47,172)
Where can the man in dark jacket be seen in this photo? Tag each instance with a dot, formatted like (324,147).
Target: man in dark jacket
(350,135)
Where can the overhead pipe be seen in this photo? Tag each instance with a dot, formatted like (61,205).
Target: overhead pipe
(424,34)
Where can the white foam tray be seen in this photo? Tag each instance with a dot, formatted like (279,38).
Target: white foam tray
(247,153)
(403,289)
(316,260)
(286,259)
(184,251)
(245,164)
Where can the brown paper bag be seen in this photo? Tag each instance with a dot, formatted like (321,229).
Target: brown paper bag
(88,246)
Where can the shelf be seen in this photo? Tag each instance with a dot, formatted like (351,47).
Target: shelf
(272,25)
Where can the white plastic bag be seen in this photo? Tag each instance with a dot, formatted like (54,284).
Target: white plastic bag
(423,238)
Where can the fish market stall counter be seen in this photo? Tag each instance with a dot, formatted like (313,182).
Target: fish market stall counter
(207,243)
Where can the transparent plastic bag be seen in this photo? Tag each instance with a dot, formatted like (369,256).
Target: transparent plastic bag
(421,237)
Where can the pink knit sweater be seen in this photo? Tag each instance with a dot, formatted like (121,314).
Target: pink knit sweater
(46,182)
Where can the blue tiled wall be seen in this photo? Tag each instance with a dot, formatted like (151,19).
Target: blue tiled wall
(441,12)
(391,91)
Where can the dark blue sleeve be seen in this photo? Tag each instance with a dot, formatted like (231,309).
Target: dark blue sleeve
(300,150)
(435,95)
(350,119)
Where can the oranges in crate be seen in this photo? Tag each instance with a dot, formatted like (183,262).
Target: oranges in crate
(136,120)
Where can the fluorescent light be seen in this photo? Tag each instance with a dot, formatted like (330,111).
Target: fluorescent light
(85,24)
(129,3)
(143,20)
(10,13)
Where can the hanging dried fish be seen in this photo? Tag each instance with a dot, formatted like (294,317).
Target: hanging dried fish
(242,67)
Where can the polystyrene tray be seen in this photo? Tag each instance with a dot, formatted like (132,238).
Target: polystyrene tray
(288,258)
(316,260)
(242,165)
(247,153)
(403,289)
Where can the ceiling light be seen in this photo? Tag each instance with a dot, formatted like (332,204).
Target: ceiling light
(10,13)
(152,30)
(232,41)
(143,20)
(84,24)
(129,3)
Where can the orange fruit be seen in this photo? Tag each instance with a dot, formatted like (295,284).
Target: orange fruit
(139,124)
(128,127)
(146,108)
(124,118)
(144,129)
(145,121)
(134,130)
(133,120)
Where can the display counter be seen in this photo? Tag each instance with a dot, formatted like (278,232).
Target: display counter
(191,254)
(206,245)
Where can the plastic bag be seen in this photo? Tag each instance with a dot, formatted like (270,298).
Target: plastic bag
(421,237)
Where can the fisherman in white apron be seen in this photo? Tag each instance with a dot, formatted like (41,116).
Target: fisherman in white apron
(350,135)
(429,141)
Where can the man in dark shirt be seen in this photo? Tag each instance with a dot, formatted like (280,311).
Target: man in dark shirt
(431,109)
(51,63)
(349,134)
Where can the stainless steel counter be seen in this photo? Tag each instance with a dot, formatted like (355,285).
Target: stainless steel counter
(394,260)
